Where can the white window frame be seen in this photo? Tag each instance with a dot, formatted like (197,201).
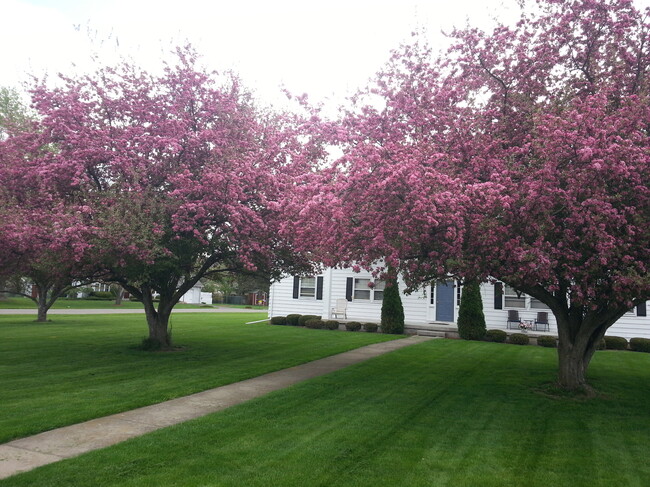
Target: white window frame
(529,303)
(301,294)
(360,285)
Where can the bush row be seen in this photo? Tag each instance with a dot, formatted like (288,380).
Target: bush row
(607,343)
(317,323)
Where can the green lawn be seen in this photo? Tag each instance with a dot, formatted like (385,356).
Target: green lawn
(82,367)
(444,413)
(65,303)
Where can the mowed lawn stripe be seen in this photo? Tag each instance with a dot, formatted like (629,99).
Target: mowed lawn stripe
(83,367)
(443,413)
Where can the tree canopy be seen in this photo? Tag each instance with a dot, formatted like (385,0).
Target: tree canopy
(175,176)
(521,154)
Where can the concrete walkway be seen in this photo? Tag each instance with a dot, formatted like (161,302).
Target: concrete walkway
(28,453)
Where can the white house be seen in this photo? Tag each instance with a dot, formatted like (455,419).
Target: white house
(195,296)
(436,304)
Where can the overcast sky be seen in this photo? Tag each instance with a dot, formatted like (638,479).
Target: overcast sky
(325,48)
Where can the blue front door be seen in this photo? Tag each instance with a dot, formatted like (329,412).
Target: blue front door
(445,301)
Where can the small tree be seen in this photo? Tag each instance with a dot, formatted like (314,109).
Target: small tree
(471,320)
(392,311)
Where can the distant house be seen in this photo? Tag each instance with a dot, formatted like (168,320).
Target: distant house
(196,296)
(435,304)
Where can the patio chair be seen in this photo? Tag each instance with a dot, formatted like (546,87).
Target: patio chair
(542,321)
(513,319)
(340,308)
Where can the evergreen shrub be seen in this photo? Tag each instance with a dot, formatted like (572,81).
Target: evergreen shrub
(471,320)
(293,319)
(302,321)
(353,326)
(640,344)
(392,311)
(331,324)
(615,343)
(498,336)
(519,339)
(370,327)
(315,324)
(279,320)
(547,341)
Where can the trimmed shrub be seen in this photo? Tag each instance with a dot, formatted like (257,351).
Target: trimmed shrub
(293,319)
(315,324)
(302,321)
(601,345)
(519,339)
(370,327)
(331,324)
(498,336)
(546,341)
(101,296)
(392,311)
(615,343)
(471,320)
(640,344)
(353,326)
(279,320)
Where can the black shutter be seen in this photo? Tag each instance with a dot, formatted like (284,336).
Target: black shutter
(348,288)
(641,310)
(319,287)
(296,287)
(498,295)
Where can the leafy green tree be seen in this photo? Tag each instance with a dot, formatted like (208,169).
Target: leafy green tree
(14,114)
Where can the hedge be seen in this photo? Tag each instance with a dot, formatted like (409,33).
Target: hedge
(519,339)
(370,327)
(353,326)
(293,319)
(547,341)
(331,325)
(315,324)
(302,321)
(640,344)
(615,343)
(498,336)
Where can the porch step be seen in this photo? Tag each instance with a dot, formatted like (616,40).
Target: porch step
(431,333)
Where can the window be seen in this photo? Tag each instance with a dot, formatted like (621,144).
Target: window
(308,287)
(368,290)
(537,304)
(361,289)
(512,299)
(378,291)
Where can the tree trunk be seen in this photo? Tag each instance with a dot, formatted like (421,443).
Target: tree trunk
(158,323)
(579,333)
(43,304)
(573,363)
(118,296)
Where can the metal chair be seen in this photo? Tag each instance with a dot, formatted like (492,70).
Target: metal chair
(542,321)
(513,319)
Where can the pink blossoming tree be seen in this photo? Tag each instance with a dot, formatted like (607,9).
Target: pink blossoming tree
(180,175)
(521,155)
(43,232)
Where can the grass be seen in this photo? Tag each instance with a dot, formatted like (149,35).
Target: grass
(82,367)
(444,413)
(65,303)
